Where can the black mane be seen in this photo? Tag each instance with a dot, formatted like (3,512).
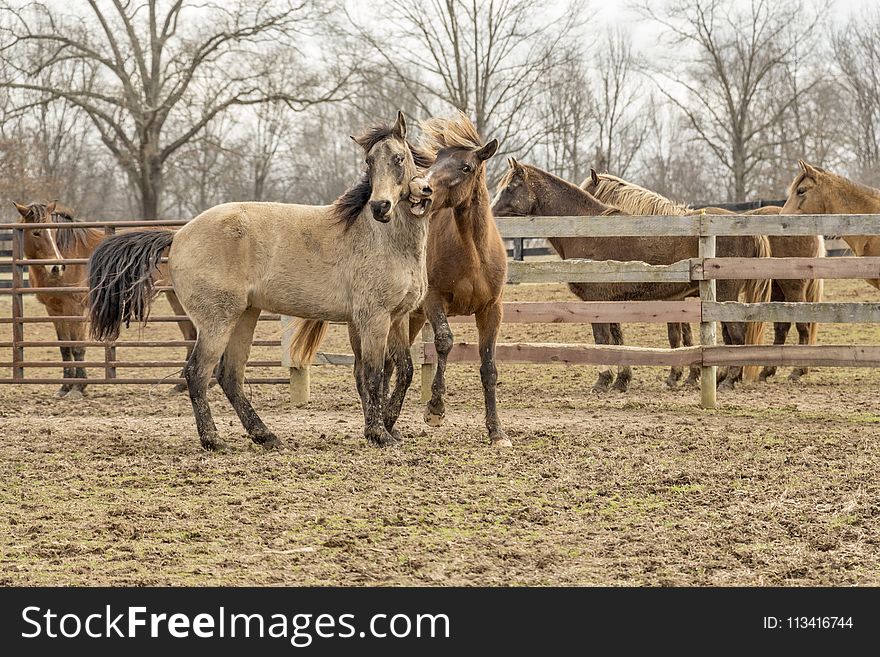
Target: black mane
(348,207)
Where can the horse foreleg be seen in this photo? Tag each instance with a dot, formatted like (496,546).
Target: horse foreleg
(400,361)
(602,335)
(488,324)
(230,374)
(687,340)
(78,332)
(734,333)
(373,333)
(624,372)
(435,410)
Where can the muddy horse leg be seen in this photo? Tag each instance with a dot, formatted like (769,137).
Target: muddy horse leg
(400,360)
(780,330)
(602,335)
(488,324)
(186,328)
(210,345)
(624,372)
(435,409)
(674,333)
(78,332)
(687,340)
(62,331)
(370,370)
(230,374)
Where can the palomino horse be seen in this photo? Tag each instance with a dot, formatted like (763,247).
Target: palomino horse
(637,200)
(71,242)
(359,261)
(527,190)
(817,191)
(466,259)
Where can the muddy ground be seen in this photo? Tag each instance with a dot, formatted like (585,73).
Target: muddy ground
(778,486)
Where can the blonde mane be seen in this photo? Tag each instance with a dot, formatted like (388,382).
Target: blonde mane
(635,200)
(458,132)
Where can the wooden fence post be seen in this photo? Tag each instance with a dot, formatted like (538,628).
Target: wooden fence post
(110,349)
(17,302)
(428,369)
(708,375)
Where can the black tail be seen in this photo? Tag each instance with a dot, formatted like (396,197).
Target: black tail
(121,279)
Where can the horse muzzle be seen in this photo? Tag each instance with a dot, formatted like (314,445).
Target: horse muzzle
(57,270)
(381,211)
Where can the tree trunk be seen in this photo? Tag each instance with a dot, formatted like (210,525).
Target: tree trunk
(150,188)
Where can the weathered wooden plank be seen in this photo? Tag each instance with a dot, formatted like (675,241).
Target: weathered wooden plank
(785,268)
(588,312)
(616,226)
(794,355)
(708,374)
(794,224)
(597,271)
(573,354)
(825,312)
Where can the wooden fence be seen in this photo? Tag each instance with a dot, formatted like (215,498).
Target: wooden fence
(704,269)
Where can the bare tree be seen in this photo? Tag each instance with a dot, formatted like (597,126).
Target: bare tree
(140,64)
(727,91)
(486,58)
(856,50)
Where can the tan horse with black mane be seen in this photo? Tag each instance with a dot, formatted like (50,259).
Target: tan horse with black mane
(466,260)
(527,190)
(637,200)
(70,242)
(359,261)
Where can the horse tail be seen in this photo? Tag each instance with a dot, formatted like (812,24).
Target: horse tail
(121,285)
(307,337)
(756,291)
(814,291)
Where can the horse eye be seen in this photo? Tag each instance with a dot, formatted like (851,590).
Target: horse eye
(36,232)
(398,159)
(466,168)
(801,191)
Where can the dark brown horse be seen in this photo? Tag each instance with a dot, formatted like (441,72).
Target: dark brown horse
(70,242)
(527,190)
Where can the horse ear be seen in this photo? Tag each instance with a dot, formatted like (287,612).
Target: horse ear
(50,207)
(594,176)
(22,209)
(809,169)
(488,150)
(400,125)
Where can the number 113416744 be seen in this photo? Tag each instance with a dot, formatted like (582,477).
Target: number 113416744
(808,622)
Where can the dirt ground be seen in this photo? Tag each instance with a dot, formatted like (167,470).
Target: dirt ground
(778,486)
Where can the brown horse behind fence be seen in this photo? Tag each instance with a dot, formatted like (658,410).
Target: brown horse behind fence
(636,200)
(70,242)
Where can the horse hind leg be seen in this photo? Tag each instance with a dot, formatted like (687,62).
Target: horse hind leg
(602,335)
(780,331)
(674,331)
(687,340)
(186,329)
(624,372)
(210,345)
(230,374)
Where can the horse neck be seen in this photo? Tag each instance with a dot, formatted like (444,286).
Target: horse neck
(848,197)
(84,241)
(474,218)
(556,197)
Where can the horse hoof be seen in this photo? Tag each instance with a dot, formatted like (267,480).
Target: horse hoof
(73,395)
(385,440)
(179,388)
(794,377)
(671,384)
(726,385)
(433,419)
(61,393)
(621,386)
(269,441)
(500,441)
(212,443)
(691,383)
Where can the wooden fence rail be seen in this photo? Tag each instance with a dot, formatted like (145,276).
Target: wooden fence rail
(700,272)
